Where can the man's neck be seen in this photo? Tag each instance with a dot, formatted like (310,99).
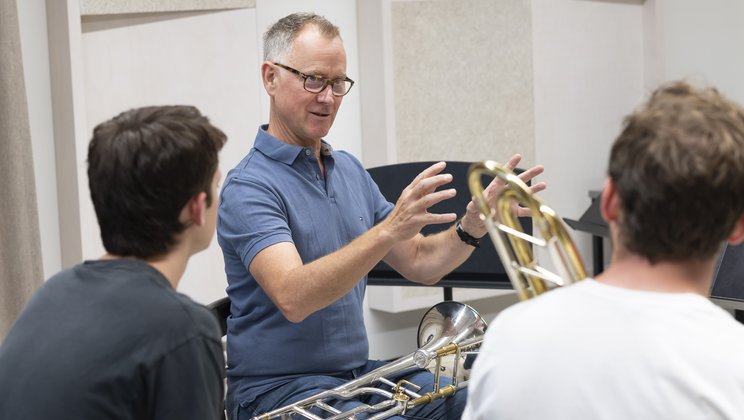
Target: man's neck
(634,272)
(282,135)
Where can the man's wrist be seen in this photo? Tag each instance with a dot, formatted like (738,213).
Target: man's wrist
(466,237)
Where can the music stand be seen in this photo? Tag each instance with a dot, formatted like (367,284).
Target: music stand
(482,270)
(728,280)
(592,222)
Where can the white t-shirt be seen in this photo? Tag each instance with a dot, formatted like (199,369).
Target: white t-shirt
(593,351)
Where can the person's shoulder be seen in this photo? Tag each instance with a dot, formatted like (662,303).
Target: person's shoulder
(243,168)
(253,169)
(545,303)
(63,275)
(61,282)
(350,163)
(347,157)
(182,313)
(146,291)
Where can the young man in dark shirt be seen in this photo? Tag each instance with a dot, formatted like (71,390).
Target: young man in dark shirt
(111,338)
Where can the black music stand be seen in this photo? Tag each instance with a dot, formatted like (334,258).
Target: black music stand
(482,270)
(728,280)
(592,222)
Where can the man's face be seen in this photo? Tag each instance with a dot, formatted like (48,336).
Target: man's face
(298,116)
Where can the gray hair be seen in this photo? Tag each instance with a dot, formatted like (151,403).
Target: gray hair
(279,37)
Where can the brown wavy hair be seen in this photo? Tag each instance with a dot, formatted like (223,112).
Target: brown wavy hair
(678,168)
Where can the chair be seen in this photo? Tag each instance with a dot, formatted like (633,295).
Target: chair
(221,310)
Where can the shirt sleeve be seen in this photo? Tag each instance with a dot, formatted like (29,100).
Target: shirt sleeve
(251,218)
(188,383)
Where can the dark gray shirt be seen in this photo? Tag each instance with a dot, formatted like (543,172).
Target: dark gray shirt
(112,340)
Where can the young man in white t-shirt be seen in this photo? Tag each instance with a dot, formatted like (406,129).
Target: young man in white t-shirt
(641,340)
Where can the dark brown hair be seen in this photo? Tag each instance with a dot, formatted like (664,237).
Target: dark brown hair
(143,167)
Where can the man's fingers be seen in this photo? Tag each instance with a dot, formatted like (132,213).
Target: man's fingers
(429,179)
(431,170)
(531,173)
(514,161)
(436,197)
(435,219)
(540,186)
(427,185)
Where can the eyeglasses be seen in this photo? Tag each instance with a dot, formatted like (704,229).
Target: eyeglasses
(315,84)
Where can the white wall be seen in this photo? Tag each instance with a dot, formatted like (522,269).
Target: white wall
(33,31)
(201,58)
(588,67)
(703,42)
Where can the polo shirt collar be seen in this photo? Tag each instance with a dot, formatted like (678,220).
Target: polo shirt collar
(281,151)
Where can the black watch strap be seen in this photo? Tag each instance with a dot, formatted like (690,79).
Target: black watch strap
(466,237)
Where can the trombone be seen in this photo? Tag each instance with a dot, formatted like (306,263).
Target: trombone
(455,329)
(514,246)
(447,329)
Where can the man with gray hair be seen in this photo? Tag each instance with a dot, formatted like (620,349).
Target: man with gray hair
(301,224)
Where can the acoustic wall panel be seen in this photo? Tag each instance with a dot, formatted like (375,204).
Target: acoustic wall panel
(463,80)
(111,7)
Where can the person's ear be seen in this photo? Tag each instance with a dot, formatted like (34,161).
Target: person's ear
(268,76)
(610,202)
(196,209)
(737,233)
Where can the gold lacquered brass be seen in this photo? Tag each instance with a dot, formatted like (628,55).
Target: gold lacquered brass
(514,246)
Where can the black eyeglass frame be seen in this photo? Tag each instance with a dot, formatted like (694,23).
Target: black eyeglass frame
(328,82)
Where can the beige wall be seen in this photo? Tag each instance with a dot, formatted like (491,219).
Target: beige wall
(463,80)
(113,7)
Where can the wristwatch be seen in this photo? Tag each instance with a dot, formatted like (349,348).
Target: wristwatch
(466,237)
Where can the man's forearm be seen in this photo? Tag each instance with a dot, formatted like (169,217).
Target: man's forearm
(429,258)
(310,287)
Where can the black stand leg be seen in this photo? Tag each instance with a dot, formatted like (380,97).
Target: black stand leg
(447,293)
(739,315)
(598,254)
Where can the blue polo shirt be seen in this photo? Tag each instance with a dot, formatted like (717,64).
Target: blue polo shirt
(277,194)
